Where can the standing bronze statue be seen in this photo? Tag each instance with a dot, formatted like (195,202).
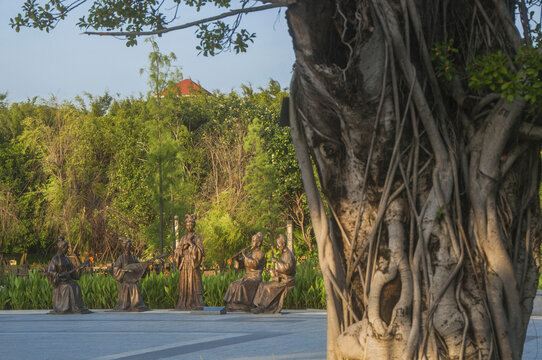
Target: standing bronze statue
(270,295)
(61,273)
(127,270)
(241,293)
(188,257)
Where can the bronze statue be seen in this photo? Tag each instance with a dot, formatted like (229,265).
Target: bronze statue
(270,295)
(61,273)
(188,257)
(127,270)
(241,292)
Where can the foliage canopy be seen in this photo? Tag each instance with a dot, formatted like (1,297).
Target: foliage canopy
(130,19)
(89,170)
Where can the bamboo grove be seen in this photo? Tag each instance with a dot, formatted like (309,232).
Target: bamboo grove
(88,169)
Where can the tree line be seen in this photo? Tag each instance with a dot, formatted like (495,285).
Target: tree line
(101,167)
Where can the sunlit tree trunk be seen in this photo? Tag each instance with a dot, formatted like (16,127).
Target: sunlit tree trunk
(428,230)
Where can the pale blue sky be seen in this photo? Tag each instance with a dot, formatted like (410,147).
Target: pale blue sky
(64,63)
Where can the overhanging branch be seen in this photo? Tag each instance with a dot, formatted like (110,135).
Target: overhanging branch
(273,4)
(278,2)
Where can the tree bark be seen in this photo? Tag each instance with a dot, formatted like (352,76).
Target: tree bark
(431,245)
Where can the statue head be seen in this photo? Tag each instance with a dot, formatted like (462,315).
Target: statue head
(281,242)
(190,222)
(257,240)
(62,245)
(126,244)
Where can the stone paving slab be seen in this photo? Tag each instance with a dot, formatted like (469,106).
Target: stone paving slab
(162,334)
(532,349)
(166,334)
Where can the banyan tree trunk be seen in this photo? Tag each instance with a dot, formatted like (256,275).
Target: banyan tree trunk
(428,232)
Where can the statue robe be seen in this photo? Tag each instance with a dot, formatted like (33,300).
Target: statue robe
(130,298)
(270,295)
(241,293)
(188,257)
(67,295)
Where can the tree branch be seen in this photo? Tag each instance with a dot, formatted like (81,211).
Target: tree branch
(525,21)
(278,2)
(503,118)
(531,131)
(390,26)
(486,100)
(274,4)
(512,157)
(508,23)
(327,251)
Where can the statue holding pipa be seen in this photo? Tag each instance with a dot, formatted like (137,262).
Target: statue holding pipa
(61,273)
(127,270)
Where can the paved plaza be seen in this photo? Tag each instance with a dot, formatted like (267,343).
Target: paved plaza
(162,334)
(165,334)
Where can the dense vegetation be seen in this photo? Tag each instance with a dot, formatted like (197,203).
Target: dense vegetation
(98,168)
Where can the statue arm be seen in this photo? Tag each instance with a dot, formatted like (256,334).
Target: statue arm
(249,261)
(118,274)
(253,259)
(177,256)
(52,274)
(182,249)
(76,275)
(197,251)
(199,244)
(286,264)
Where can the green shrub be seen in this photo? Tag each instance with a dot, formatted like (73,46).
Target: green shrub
(215,287)
(21,293)
(159,291)
(220,233)
(100,291)
(309,291)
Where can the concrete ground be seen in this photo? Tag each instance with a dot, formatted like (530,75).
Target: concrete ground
(532,349)
(164,334)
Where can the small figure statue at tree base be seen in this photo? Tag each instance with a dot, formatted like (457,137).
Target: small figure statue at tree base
(61,273)
(241,293)
(188,257)
(270,295)
(127,270)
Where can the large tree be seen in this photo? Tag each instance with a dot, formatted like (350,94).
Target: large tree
(421,118)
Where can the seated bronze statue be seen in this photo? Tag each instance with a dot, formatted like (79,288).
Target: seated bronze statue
(127,270)
(241,292)
(270,295)
(61,273)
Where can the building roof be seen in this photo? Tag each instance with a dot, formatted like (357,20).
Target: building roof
(187,88)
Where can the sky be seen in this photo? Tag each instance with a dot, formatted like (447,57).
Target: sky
(65,63)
